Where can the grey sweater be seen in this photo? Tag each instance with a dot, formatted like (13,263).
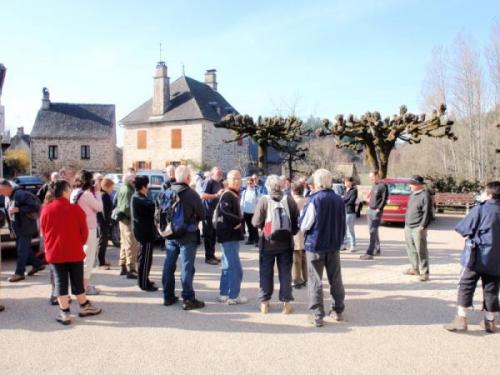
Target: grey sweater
(419,210)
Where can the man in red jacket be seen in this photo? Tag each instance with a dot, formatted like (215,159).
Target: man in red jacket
(64,229)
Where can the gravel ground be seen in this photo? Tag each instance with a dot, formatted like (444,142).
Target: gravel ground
(393,323)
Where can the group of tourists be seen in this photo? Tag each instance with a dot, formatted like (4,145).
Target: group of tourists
(299,226)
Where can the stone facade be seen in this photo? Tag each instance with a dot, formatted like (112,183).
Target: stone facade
(201,144)
(102,155)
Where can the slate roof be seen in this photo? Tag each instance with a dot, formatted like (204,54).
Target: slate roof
(16,140)
(189,100)
(75,121)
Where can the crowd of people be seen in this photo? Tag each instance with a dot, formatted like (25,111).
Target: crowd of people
(298,226)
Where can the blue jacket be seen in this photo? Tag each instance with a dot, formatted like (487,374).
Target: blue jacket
(24,223)
(328,231)
(482,225)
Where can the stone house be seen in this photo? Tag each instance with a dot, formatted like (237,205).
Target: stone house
(20,141)
(78,135)
(177,126)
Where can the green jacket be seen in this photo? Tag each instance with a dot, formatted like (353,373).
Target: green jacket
(124,198)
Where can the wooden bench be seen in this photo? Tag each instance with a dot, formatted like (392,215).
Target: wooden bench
(460,201)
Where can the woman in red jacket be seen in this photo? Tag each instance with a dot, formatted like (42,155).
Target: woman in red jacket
(64,229)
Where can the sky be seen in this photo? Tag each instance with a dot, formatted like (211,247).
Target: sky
(319,57)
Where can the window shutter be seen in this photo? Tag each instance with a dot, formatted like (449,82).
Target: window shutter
(176,138)
(141,139)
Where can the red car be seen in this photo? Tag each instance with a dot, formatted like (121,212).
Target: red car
(399,194)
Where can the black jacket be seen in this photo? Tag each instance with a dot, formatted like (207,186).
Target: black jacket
(194,212)
(378,196)
(104,217)
(24,222)
(350,198)
(143,218)
(229,214)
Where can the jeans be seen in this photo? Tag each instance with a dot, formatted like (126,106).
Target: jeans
(350,236)
(284,260)
(25,255)
(232,272)
(209,238)
(373,217)
(330,261)
(187,251)
(416,247)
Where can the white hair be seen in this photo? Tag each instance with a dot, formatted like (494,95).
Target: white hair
(182,173)
(54,176)
(129,178)
(98,176)
(322,179)
(273,183)
(170,171)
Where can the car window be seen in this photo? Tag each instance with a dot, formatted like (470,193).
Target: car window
(399,188)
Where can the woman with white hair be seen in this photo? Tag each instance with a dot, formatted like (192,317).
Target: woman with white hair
(276,215)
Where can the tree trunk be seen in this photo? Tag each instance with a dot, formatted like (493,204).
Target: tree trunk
(290,166)
(262,159)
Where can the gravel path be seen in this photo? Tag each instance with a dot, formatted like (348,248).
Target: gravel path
(393,323)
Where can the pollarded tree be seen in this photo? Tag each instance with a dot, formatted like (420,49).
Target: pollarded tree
(377,137)
(276,132)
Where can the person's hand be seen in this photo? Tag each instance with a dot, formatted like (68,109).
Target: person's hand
(13,210)
(238,226)
(220,192)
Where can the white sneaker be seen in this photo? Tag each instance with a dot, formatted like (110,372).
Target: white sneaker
(237,301)
(92,291)
(222,299)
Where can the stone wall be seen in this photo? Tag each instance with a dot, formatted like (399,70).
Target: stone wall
(158,149)
(102,155)
(202,144)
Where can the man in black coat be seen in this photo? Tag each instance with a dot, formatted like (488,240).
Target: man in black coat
(23,209)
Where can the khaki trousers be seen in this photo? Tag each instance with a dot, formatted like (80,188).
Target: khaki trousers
(129,247)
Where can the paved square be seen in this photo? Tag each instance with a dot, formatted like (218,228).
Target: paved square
(393,323)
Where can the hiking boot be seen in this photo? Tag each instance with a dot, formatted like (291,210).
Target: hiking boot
(170,302)
(222,299)
(91,290)
(424,277)
(488,325)
(411,272)
(338,317)
(297,286)
(192,304)
(53,301)
(366,257)
(15,278)
(315,321)
(287,308)
(34,270)
(64,318)
(377,253)
(123,270)
(457,325)
(264,307)
(151,288)
(88,310)
(132,275)
(237,301)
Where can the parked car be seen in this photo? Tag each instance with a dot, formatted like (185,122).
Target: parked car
(30,183)
(8,242)
(397,203)
(156,177)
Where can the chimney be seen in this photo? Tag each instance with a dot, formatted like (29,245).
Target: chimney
(211,78)
(161,92)
(20,131)
(45,98)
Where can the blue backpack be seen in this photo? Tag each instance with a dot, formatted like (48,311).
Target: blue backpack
(170,219)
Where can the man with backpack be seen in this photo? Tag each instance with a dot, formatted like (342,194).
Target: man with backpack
(276,215)
(229,228)
(212,191)
(23,209)
(179,211)
(323,221)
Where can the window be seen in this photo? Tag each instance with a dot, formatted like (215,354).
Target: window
(176,138)
(53,153)
(142,142)
(85,152)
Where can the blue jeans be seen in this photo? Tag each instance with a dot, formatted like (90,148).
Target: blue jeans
(284,260)
(350,236)
(25,255)
(232,272)
(187,251)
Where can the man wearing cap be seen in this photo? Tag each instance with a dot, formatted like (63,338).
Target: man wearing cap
(418,217)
